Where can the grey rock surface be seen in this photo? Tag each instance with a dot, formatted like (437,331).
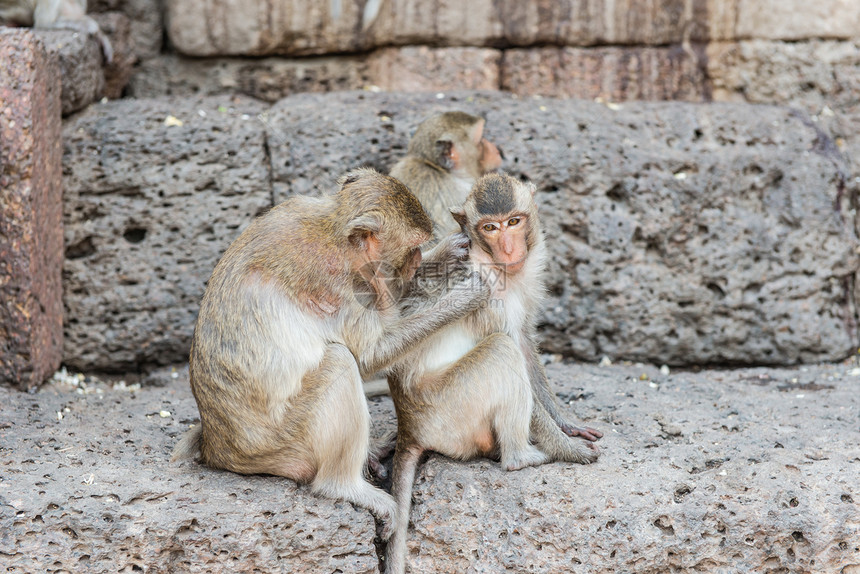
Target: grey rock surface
(81,71)
(93,492)
(751,470)
(679,233)
(149,207)
(819,76)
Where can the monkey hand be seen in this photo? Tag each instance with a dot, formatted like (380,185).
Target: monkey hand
(457,247)
(586,433)
(450,250)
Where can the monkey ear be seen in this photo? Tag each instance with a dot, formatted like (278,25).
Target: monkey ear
(532,188)
(459,216)
(447,155)
(361,229)
(477,131)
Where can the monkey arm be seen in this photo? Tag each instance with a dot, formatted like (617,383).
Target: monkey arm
(543,394)
(412,328)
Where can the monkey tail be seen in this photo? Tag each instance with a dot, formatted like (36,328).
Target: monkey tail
(403,477)
(189,445)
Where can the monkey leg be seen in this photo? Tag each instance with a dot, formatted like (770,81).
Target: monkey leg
(555,443)
(485,394)
(544,395)
(338,435)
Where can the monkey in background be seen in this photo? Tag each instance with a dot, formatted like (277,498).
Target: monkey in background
(63,14)
(477,386)
(300,306)
(447,153)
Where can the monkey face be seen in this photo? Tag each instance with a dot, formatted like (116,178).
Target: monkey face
(410,266)
(505,240)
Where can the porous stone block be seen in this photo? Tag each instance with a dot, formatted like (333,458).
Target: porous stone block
(678,233)
(81,67)
(155,191)
(31,224)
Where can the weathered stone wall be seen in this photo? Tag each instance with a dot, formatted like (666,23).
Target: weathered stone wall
(800,53)
(679,233)
(804,54)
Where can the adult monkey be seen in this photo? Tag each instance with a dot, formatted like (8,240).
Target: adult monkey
(300,306)
(477,386)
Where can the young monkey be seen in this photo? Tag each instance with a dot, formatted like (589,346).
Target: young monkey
(447,153)
(300,306)
(477,387)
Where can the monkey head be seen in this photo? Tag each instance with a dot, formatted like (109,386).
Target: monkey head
(385,226)
(500,218)
(455,142)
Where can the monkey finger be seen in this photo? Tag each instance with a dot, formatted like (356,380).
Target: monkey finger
(460,240)
(593,446)
(376,468)
(586,433)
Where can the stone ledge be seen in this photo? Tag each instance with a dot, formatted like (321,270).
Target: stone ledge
(716,471)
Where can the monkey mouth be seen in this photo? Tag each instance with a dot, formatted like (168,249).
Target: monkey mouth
(514,267)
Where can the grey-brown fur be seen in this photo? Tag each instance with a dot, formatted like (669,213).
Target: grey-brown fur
(282,341)
(489,396)
(446,155)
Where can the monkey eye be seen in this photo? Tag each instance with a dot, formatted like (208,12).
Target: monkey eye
(489,227)
(513,221)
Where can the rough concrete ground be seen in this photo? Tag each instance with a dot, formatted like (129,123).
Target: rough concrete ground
(752,470)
